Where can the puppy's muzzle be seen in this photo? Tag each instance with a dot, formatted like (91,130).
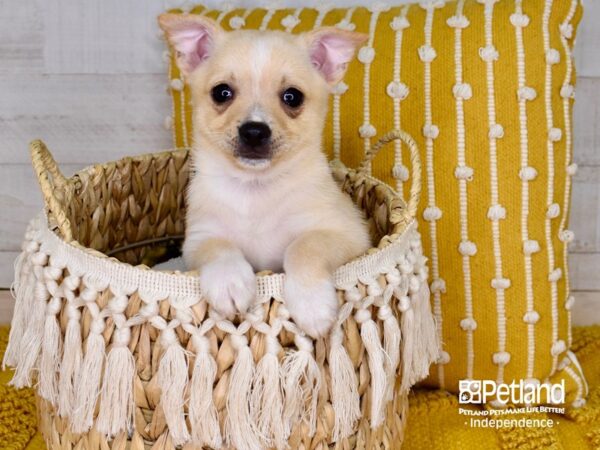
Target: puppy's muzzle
(255,140)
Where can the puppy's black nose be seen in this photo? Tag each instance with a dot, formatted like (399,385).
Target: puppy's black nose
(254,134)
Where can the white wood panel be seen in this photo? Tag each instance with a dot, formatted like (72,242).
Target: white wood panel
(584,270)
(587,48)
(21,36)
(7,260)
(586,118)
(7,305)
(63,36)
(585,210)
(83,118)
(108,36)
(21,199)
(586,310)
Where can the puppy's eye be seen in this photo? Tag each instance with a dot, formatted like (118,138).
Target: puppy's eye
(222,93)
(292,97)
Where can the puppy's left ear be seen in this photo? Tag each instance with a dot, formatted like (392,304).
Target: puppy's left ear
(192,36)
(331,50)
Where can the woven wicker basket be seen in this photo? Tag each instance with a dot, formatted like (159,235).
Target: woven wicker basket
(124,356)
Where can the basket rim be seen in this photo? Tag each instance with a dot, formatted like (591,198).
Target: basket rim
(365,267)
(184,287)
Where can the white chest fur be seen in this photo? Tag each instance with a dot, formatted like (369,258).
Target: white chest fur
(260,217)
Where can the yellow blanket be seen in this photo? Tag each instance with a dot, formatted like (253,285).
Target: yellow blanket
(434,422)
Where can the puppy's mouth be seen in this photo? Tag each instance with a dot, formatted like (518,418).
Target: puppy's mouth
(258,157)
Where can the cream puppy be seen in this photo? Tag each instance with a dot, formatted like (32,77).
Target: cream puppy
(262,196)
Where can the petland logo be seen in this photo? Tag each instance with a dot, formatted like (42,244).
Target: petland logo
(483,391)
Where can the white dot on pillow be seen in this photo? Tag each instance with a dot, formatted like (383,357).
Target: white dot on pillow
(555,275)
(500,283)
(339,88)
(531,246)
(444,357)
(346,25)
(526,93)
(400,172)
(496,212)
(432,213)
(552,56)
(553,211)
(569,302)
(468,324)
(531,317)
(396,89)
(290,21)
(366,55)
(558,347)
(463,173)
(431,131)
(519,20)
(177,84)
(567,91)
(528,173)
(458,22)
(496,131)
(367,130)
(566,30)
(237,22)
(566,236)
(438,286)
(462,90)
(427,53)
(489,53)
(399,23)
(467,248)
(501,358)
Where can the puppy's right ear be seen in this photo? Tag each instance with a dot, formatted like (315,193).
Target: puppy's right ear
(192,36)
(332,49)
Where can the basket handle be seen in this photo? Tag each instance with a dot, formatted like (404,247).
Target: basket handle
(52,182)
(415,160)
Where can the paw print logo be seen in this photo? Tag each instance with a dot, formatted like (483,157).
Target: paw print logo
(469,391)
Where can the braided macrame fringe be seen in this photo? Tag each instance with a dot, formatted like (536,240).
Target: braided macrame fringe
(172,379)
(203,413)
(240,431)
(421,345)
(266,399)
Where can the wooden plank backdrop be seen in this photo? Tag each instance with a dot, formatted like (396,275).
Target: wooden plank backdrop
(88,77)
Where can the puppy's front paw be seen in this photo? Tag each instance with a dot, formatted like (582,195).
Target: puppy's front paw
(229,284)
(313,306)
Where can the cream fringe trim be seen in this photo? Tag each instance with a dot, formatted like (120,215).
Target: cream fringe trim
(266,399)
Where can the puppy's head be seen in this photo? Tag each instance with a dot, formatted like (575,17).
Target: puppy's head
(258,98)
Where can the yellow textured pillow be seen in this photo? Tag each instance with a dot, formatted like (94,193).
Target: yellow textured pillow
(486,88)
